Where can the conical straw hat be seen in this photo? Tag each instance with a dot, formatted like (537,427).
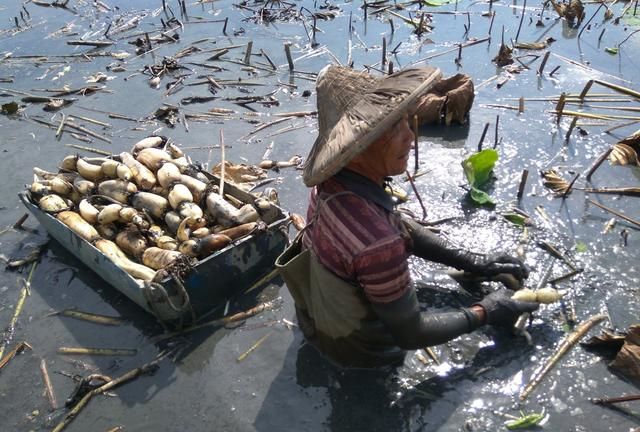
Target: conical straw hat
(355,109)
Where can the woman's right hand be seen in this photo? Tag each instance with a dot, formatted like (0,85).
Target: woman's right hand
(501,310)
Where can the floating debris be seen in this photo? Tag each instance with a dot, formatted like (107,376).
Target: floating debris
(625,152)
(253,347)
(97,351)
(563,348)
(91,317)
(573,11)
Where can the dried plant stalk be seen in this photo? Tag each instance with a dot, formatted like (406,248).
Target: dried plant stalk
(564,348)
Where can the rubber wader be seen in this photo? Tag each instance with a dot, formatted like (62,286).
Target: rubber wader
(333,314)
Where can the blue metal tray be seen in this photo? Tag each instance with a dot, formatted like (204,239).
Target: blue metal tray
(209,284)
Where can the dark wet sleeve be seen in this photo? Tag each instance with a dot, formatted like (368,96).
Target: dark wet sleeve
(413,329)
(430,246)
(427,245)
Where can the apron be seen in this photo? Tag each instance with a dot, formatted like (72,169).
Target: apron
(333,314)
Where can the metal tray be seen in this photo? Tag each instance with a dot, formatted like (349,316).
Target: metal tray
(211,282)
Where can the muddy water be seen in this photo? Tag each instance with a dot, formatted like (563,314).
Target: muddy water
(284,385)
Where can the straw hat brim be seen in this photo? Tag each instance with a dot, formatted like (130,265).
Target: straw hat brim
(378,109)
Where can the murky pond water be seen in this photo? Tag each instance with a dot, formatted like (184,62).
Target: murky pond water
(283,384)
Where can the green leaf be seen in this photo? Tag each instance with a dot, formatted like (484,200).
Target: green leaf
(525,421)
(481,197)
(9,108)
(613,51)
(478,169)
(630,19)
(581,247)
(515,218)
(479,166)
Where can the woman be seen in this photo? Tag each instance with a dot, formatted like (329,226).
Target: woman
(349,273)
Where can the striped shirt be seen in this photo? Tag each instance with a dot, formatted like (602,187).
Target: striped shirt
(359,240)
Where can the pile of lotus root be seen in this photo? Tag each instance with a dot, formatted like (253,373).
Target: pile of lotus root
(149,208)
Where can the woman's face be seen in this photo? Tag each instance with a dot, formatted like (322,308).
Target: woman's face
(388,155)
(392,149)
(400,144)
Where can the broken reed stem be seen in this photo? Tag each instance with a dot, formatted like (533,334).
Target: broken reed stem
(614,212)
(240,316)
(415,142)
(267,278)
(61,127)
(598,162)
(350,29)
(273,66)
(611,129)
(384,51)
(47,385)
(97,351)
(19,222)
(87,131)
(607,117)
(287,50)
(566,276)
(15,351)
(148,41)
(630,34)
(571,126)
(544,62)
(224,27)
(314,43)
(493,16)
(253,347)
(465,45)
(221,163)
(266,125)
(585,90)
(618,399)
(484,134)
(615,87)
(568,189)
(560,106)
(432,355)
(524,8)
(90,120)
(144,369)
(523,182)
(495,142)
(521,105)
(619,89)
(564,347)
(415,191)
(587,23)
(89,149)
(247,54)
(14,319)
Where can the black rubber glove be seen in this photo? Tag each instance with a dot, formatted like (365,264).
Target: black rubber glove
(413,329)
(502,310)
(493,264)
(432,247)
